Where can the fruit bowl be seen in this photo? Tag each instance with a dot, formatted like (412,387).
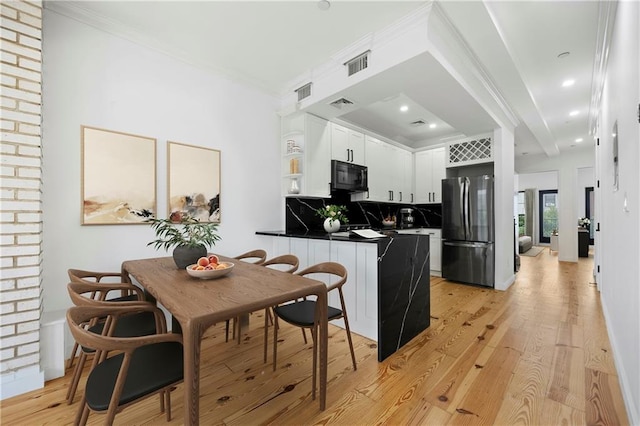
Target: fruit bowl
(388,223)
(209,274)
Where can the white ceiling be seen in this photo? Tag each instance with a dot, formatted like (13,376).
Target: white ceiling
(270,44)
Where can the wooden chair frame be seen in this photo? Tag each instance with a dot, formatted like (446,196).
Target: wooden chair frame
(334,269)
(78,316)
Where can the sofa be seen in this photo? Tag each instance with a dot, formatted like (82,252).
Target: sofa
(524,243)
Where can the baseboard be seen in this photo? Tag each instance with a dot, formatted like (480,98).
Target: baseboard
(627,396)
(23,381)
(506,284)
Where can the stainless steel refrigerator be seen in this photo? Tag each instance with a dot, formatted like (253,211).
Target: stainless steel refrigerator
(468,230)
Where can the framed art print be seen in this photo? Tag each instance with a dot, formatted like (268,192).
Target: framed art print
(193,182)
(118,177)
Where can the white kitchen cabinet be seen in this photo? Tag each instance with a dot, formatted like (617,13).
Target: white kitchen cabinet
(435,246)
(390,172)
(347,145)
(309,164)
(429,171)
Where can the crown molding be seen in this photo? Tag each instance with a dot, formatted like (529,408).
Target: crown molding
(606,21)
(75,11)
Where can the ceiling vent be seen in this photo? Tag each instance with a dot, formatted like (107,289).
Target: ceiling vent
(418,123)
(339,103)
(303,92)
(358,63)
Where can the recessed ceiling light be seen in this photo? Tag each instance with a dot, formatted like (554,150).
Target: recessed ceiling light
(579,140)
(432,125)
(574,113)
(564,55)
(568,83)
(404,108)
(324,5)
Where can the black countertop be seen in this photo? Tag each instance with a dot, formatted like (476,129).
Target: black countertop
(320,235)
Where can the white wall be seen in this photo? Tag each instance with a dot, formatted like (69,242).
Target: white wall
(619,217)
(586,178)
(96,79)
(504,227)
(566,164)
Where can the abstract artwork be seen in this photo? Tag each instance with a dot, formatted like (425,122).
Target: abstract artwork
(194,182)
(118,177)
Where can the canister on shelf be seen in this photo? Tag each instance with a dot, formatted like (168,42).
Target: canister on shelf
(290,145)
(294,166)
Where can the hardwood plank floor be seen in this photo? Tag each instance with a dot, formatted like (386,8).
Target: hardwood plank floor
(537,354)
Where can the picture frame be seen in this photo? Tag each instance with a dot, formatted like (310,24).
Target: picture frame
(193,186)
(118,177)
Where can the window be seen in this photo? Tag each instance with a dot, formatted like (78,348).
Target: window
(548,213)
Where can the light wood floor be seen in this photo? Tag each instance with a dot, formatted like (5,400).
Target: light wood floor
(537,354)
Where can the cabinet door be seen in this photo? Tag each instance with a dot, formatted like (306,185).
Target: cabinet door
(376,169)
(357,146)
(347,145)
(439,172)
(365,316)
(435,253)
(317,173)
(422,175)
(406,167)
(340,143)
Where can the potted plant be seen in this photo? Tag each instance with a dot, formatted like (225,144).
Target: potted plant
(189,237)
(333,214)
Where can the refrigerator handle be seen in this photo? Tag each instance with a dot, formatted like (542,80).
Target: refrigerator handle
(467,222)
(463,208)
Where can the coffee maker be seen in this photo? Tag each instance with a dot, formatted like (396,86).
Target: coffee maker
(406,218)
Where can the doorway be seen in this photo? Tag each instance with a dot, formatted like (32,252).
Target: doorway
(589,205)
(548,214)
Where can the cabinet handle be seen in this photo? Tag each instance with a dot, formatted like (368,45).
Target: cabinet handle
(351,155)
(400,196)
(429,197)
(412,197)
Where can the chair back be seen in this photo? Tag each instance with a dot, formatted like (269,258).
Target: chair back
(128,291)
(332,268)
(257,256)
(79,316)
(285,263)
(81,275)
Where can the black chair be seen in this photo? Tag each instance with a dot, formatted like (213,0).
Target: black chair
(301,313)
(143,365)
(257,257)
(286,263)
(127,294)
(94,295)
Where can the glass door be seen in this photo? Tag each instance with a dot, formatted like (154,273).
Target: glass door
(548,214)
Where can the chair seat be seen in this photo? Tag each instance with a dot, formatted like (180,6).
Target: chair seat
(152,368)
(139,324)
(303,313)
(128,298)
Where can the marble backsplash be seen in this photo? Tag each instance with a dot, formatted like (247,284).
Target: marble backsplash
(301,216)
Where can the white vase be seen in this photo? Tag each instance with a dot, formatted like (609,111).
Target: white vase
(331,225)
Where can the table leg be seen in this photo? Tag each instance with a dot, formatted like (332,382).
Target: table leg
(191,341)
(322,339)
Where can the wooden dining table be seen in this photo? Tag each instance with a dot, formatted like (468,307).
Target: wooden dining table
(197,304)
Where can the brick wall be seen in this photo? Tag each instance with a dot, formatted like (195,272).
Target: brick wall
(21,187)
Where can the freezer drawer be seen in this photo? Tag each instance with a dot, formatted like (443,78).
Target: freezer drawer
(468,262)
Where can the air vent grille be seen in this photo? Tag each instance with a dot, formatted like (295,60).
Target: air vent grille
(358,63)
(470,152)
(304,91)
(339,103)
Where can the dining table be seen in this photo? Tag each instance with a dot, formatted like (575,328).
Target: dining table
(196,304)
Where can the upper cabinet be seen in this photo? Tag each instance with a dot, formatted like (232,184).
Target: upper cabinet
(430,169)
(390,173)
(347,145)
(306,145)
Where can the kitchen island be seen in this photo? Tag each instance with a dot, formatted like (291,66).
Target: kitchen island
(388,290)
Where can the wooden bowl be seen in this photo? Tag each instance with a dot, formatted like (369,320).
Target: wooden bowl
(210,274)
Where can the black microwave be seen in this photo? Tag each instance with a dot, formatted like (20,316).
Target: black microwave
(348,176)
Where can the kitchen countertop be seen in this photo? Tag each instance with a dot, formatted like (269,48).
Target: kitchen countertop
(340,236)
